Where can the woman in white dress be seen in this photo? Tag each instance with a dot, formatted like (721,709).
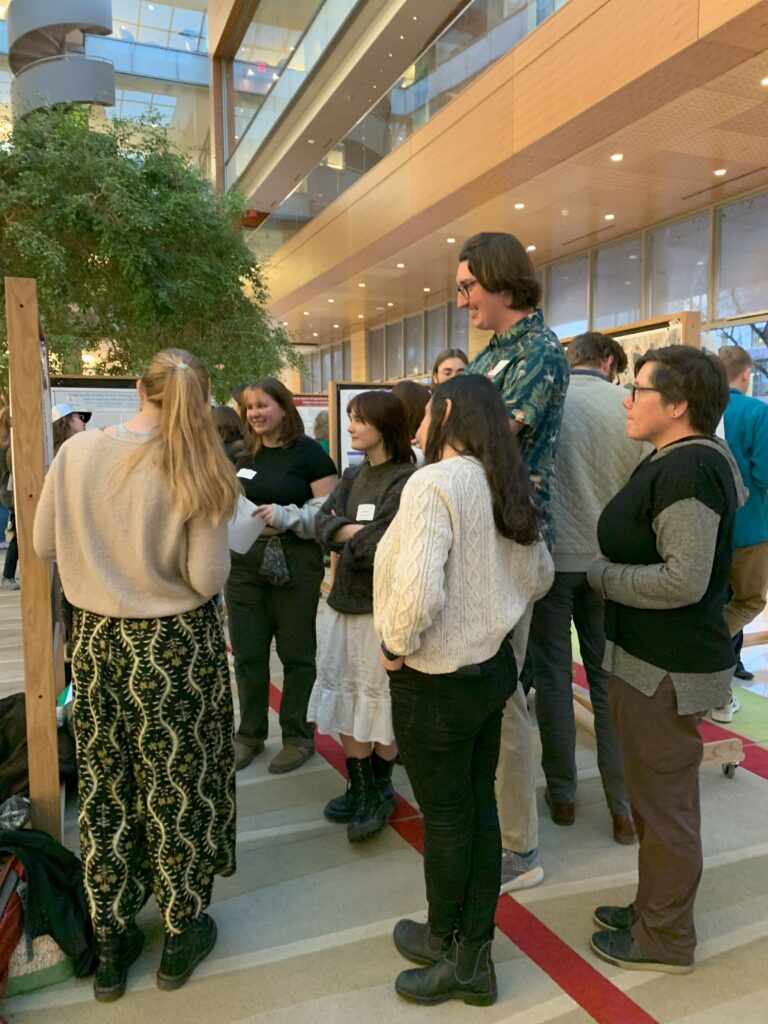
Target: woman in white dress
(351,694)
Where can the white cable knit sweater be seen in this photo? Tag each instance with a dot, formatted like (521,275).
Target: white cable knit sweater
(447,587)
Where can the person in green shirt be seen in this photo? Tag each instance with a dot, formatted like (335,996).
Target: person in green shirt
(497,283)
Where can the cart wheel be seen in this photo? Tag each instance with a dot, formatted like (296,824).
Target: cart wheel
(729,770)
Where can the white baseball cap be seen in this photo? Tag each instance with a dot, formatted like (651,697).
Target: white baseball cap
(58,412)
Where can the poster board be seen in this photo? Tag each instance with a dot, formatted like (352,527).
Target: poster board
(110,399)
(636,338)
(309,408)
(340,394)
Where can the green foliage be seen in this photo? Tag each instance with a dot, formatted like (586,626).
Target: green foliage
(132,250)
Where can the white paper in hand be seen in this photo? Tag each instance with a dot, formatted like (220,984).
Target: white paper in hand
(244,527)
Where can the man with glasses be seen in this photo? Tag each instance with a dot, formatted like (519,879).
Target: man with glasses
(595,458)
(497,283)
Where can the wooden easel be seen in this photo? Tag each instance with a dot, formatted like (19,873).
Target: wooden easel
(32,447)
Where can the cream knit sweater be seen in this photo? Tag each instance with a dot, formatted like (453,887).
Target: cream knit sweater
(121,546)
(447,587)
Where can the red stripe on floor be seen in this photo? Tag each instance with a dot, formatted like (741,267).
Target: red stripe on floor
(593,992)
(755,756)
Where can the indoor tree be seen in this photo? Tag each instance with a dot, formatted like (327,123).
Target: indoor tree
(132,249)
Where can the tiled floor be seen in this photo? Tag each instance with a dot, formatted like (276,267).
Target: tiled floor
(305,923)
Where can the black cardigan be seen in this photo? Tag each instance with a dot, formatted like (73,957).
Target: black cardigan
(380,486)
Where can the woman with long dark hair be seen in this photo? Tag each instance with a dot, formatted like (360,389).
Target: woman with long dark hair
(351,695)
(274,588)
(449,363)
(152,699)
(453,575)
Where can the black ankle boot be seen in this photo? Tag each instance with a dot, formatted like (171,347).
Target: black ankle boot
(183,952)
(342,808)
(466,972)
(382,773)
(116,954)
(370,813)
(418,943)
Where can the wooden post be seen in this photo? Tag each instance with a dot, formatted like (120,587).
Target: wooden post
(28,374)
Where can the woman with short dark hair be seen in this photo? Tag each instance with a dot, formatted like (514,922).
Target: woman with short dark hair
(666,552)
(351,695)
(453,575)
(274,588)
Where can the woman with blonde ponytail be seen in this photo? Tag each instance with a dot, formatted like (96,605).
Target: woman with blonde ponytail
(136,518)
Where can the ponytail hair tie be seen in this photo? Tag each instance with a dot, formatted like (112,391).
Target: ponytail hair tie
(182,366)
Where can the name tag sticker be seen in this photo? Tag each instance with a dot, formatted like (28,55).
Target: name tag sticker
(498,368)
(247,474)
(365,513)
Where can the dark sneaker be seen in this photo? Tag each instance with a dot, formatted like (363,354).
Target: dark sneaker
(115,957)
(416,942)
(620,948)
(615,919)
(182,953)
(290,758)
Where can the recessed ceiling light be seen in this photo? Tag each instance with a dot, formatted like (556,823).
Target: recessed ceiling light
(415,18)
(331,300)
(720,172)
(450,241)
(390,304)
(379,309)
(610,216)
(361,284)
(617,157)
(374,87)
(311,142)
(530,248)
(314,334)
(400,266)
(519,206)
(360,316)
(764,81)
(389,54)
(285,323)
(427,289)
(565,213)
(402,37)
(306,312)
(336,325)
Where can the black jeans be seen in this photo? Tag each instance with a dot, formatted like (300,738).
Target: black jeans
(551,658)
(12,553)
(448,729)
(257,611)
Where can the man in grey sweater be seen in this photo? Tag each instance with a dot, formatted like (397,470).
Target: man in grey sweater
(594,459)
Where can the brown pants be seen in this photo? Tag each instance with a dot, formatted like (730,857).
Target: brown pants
(662,752)
(749,583)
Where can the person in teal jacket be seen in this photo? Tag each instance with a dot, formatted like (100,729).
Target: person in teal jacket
(746,431)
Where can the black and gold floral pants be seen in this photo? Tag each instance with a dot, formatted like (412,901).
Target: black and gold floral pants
(155,756)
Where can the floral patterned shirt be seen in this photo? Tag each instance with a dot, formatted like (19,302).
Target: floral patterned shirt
(528,365)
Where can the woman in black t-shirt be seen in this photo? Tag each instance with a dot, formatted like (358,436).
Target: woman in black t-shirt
(274,589)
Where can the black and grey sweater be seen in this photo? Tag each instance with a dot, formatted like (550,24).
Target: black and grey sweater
(667,538)
(378,486)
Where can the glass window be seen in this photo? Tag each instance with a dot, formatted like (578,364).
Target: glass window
(755,338)
(618,277)
(679,266)
(459,326)
(437,333)
(743,264)
(336,364)
(346,353)
(414,345)
(567,296)
(394,337)
(376,367)
(316,371)
(326,368)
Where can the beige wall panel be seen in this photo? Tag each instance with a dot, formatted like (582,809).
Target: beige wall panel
(359,354)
